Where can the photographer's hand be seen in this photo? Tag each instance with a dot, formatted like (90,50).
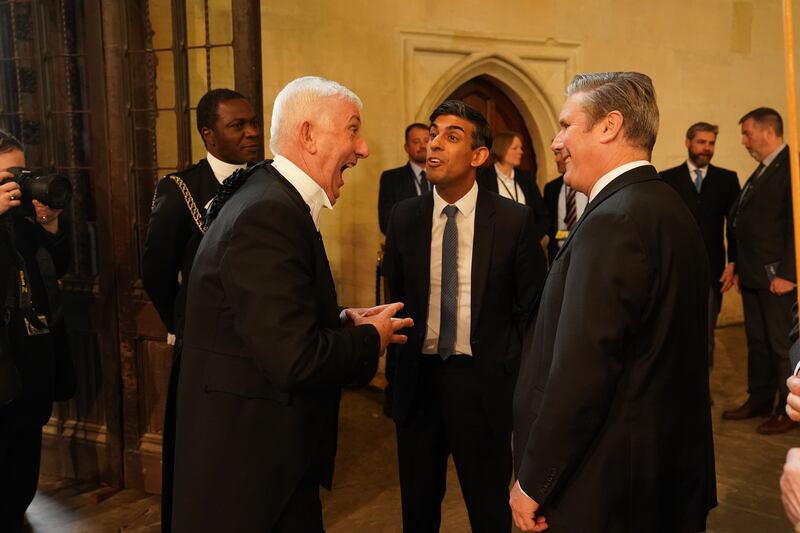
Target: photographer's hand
(9,196)
(46,216)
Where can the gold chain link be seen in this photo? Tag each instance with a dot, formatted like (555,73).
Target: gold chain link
(187,197)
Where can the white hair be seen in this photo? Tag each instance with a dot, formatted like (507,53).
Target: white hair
(297,101)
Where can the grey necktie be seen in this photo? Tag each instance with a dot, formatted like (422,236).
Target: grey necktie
(447,322)
(698,180)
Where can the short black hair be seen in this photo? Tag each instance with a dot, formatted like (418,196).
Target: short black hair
(209,103)
(766,116)
(9,143)
(481,134)
(413,126)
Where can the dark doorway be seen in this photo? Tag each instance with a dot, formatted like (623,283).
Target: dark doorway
(500,111)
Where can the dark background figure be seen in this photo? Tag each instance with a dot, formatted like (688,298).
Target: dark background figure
(232,135)
(612,424)
(565,206)
(39,352)
(761,219)
(469,293)
(504,177)
(398,184)
(266,347)
(709,192)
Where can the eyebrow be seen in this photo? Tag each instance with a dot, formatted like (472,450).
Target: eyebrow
(459,128)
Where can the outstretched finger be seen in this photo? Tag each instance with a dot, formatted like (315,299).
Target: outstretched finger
(391,309)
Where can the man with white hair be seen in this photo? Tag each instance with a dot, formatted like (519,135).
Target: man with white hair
(266,347)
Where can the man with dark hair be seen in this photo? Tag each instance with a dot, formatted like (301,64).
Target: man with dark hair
(612,426)
(231,133)
(463,262)
(709,192)
(765,269)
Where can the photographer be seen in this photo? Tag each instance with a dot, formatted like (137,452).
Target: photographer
(34,252)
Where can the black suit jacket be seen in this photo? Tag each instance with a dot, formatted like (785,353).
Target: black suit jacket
(264,357)
(612,425)
(762,226)
(396,185)
(172,240)
(551,191)
(507,270)
(710,208)
(487,178)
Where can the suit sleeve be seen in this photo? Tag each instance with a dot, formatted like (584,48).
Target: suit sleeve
(385,201)
(530,270)
(606,290)
(167,234)
(786,269)
(269,277)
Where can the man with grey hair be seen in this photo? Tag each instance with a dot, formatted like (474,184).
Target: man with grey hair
(612,425)
(709,192)
(266,347)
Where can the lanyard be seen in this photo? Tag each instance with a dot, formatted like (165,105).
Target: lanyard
(515,196)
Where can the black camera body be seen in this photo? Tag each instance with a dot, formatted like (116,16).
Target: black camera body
(53,190)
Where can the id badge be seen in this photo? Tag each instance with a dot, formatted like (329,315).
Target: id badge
(562,234)
(33,330)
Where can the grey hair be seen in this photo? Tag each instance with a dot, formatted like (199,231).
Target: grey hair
(630,93)
(295,104)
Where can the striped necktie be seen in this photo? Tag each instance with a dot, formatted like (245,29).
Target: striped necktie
(571,208)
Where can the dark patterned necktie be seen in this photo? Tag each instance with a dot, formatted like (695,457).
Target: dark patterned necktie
(447,321)
(571,208)
(423,183)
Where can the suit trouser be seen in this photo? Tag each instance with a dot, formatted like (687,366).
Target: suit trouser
(20,454)
(449,416)
(303,512)
(767,322)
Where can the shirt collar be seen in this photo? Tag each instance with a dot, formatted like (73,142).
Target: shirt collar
(416,169)
(503,176)
(220,168)
(465,204)
(771,157)
(309,190)
(614,174)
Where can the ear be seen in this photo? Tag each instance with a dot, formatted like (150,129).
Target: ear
(688,142)
(611,127)
(208,136)
(307,137)
(479,156)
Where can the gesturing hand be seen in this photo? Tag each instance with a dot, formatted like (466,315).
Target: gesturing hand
(524,510)
(382,318)
(790,485)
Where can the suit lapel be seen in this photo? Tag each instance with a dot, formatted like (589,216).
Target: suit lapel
(638,174)
(755,182)
(410,184)
(481,252)
(422,250)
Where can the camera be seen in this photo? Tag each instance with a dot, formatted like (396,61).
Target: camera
(53,190)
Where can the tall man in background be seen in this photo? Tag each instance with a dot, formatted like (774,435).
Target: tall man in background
(231,133)
(709,192)
(612,424)
(396,185)
(765,270)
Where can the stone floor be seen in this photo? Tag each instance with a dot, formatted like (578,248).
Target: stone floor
(366,495)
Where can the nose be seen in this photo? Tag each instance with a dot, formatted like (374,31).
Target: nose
(252,130)
(434,143)
(362,150)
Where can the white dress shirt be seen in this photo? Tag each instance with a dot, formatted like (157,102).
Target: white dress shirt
(693,171)
(221,170)
(312,193)
(465,222)
(507,187)
(614,174)
(417,170)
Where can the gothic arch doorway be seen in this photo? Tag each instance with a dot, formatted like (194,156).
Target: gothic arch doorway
(500,111)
